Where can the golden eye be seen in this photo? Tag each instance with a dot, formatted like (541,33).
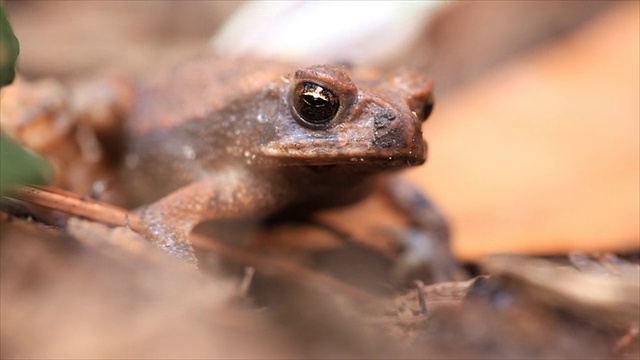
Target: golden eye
(316,105)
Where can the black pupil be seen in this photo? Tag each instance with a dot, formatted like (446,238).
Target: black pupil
(315,104)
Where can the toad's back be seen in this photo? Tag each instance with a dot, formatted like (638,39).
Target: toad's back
(200,87)
(198,118)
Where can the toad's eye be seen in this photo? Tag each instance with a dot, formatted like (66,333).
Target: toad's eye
(315,105)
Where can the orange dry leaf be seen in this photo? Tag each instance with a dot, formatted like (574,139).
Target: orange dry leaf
(542,155)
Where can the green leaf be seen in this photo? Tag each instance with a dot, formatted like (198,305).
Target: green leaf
(18,166)
(9,49)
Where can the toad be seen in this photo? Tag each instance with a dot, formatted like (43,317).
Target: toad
(215,140)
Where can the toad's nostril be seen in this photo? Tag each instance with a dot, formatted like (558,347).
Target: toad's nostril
(421,102)
(426,110)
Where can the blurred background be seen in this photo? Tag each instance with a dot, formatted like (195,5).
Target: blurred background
(534,143)
(534,148)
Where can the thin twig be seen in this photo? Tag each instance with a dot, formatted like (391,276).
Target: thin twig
(70,203)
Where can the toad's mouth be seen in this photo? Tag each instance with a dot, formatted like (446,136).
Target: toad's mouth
(324,158)
(367,165)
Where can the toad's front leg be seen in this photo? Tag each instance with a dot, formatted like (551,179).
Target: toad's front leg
(427,242)
(226,195)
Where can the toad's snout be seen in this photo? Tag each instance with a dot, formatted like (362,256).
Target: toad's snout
(398,137)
